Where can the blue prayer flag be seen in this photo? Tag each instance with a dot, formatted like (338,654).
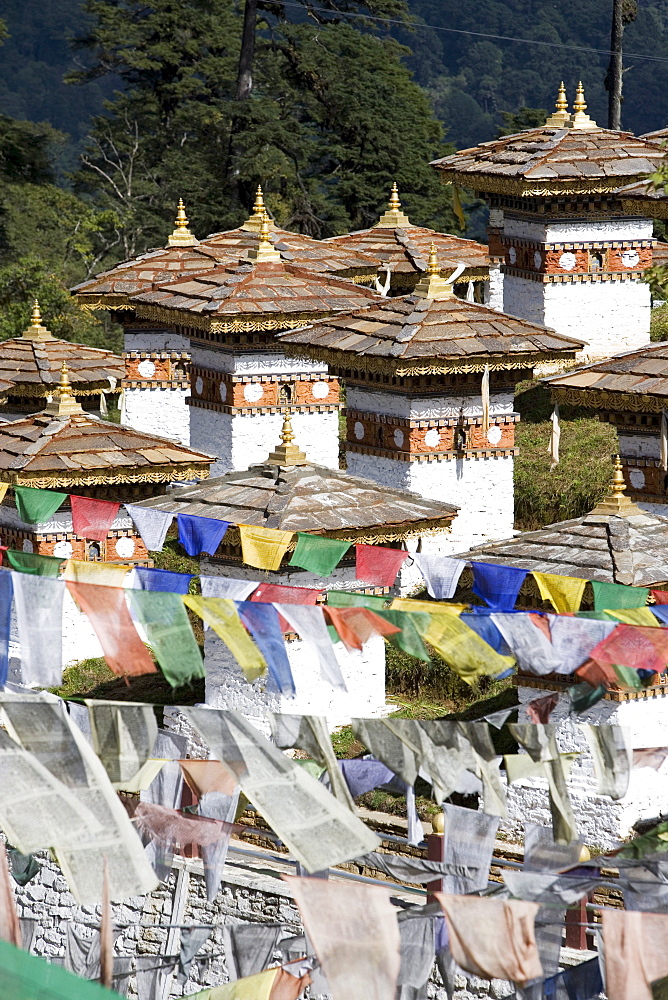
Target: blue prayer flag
(200,534)
(6,592)
(162,579)
(497,585)
(262,621)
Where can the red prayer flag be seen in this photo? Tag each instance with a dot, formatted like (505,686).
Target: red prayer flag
(277,593)
(377,565)
(108,614)
(356,625)
(636,646)
(660,596)
(540,709)
(92,518)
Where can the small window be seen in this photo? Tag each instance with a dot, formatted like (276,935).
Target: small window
(595,261)
(94,552)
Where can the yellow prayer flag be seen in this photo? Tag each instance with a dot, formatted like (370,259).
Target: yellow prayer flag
(565,592)
(102,573)
(520,766)
(430,607)
(263,548)
(463,649)
(634,616)
(457,206)
(257,987)
(221,614)
(3,489)
(140,781)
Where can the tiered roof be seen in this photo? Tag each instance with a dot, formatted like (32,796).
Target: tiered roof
(431,331)
(65,447)
(31,363)
(636,380)
(404,248)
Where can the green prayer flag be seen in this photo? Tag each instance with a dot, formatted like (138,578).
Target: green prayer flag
(411,624)
(655,841)
(583,695)
(616,595)
(37,506)
(169,634)
(599,616)
(26,977)
(348,599)
(317,554)
(30,562)
(628,677)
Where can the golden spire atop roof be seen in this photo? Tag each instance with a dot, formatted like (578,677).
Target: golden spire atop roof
(579,119)
(181,236)
(431,284)
(616,501)
(254,222)
(394,217)
(64,403)
(287,452)
(36,331)
(560,118)
(265,250)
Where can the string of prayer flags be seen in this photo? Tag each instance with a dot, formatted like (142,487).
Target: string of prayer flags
(39,613)
(6,591)
(564,592)
(355,626)
(378,565)
(263,548)
(441,574)
(263,623)
(99,573)
(226,586)
(309,623)
(169,634)
(162,579)
(200,534)
(317,554)
(636,953)
(612,758)
(633,616)
(221,614)
(152,525)
(173,828)
(30,562)
(410,625)
(355,935)
(463,650)
(617,595)
(122,736)
(92,518)
(310,733)
(497,585)
(660,596)
(37,506)
(540,709)
(108,614)
(634,646)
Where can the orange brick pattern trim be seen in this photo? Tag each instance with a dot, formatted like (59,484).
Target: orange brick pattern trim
(582,261)
(45,545)
(157,370)
(425,440)
(236,394)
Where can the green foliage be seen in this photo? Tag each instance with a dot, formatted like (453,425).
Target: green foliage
(659,325)
(523,118)
(83,676)
(26,151)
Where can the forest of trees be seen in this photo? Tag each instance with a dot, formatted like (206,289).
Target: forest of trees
(110,110)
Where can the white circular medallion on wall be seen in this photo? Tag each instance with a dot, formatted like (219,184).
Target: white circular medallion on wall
(199,385)
(222,392)
(630,258)
(63,549)
(358,430)
(432,438)
(320,390)
(637,477)
(253,392)
(537,260)
(567,261)
(512,255)
(27,545)
(125,547)
(398,438)
(146,368)
(494,435)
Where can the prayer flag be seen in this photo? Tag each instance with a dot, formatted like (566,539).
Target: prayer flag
(664,441)
(92,518)
(317,554)
(634,646)
(660,596)
(311,734)
(37,506)
(28,977)
(411,625)
(347,599)
(555,437)
(6,591)
(206,776)
(457,206)
(152,524)
(107,612)
(309,623)
(122,736)
(276,593)
(483,625)
(257,987)
(29,562)
(225,586)
(377,565)
(428,607)
(263,548)
(540,709)
(172,828)
(262,621)
(440,573)
(200,534)
(564,592)
(484,393)
(39,613)
(612,758)
(636,953)
(497,585)
(660,612)
(616,595)
(10,928)
(532,649)
(221,614)
(355,626)
(162,579)
(169,634)
(463,650)
(99,573)
(633,616)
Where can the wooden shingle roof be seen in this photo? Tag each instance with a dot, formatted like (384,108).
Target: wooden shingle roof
(632,377)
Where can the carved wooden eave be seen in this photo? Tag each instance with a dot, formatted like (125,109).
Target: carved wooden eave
(108,477)
(363,536)
(263,323)
(21,389)
(483,184)
(601,399)
(112,301)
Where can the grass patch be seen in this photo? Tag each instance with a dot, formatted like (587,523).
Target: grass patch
(84,676)
(430,690)
(659,324)
(175,560)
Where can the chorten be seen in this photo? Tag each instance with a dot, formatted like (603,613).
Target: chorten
(574,254)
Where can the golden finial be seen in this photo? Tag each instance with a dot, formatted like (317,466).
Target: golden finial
(581,120)
(253,223)
(287,452)
(560,117)
(258,205)
(616,501)
(265,250)
(393,218)
(181,236)
(618,485)
(36,331)
(431,284)
(432,266)
(64,404)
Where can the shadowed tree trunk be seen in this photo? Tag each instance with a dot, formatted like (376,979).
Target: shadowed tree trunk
(245,72)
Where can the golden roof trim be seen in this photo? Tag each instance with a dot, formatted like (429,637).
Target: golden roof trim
(383,533)
(186,318)
(31,390)
(493,184)
(605,399)
(158,474)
